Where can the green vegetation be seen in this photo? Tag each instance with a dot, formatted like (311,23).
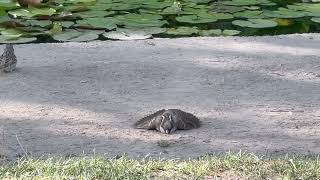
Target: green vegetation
(243,166)
(86,20)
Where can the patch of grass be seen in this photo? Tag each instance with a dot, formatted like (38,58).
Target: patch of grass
(227,166)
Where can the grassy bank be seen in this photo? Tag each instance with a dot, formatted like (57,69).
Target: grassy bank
(228,166)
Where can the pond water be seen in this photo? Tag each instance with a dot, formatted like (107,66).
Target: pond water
(86,20)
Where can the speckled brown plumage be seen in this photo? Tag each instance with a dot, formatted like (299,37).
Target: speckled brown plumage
(168,121)
(8,59)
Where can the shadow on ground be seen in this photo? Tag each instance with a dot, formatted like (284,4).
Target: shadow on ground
(256,94)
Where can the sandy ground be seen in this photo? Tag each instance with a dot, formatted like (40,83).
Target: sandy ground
(257,94)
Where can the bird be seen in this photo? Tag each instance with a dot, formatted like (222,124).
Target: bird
(168,121)
(8,59)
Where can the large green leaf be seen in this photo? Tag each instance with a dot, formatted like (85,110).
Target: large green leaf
(123,6)
(67,24)
(99,22)
(3,12)
(140,20)
(91,14)
(219,7)
(11,33)
(32,11)
(127,34)
(133,16)
(284,13)
(308,8)
(8,5)
(230,32)
(100,7)
(252,7)
(219,32)
(203,17)
(316,19)
(5,18)
(82,1)
(4,40)
(249,14)
(199,1)
(211,32)
(133,34)
(193,19)
(76,8)
(41,23)
(248,2)
(155,4)
(182,31)
(255,23)
(85,37)
(73,35)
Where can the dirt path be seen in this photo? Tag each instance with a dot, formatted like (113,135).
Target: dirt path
(260,94)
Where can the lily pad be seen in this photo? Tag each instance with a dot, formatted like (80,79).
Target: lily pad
(2,12)
(91,14)
(199,1)
(97,23)
(4,40)
(100,7)
(4,19)
(182,31)
(252,7)
(219,32)
(211,32)
(11,33)
(315,19)
(32,11)
(85,37)
(67,24)
(133,34)
(255,23)
(218,15)
(308,8)
(140,20)
(203,17)
(123,7)
(73,35)
(248,2)
(76,8)
(134,16)
(82,1)
(249,14)
(193,19)
(284,13)
(155,4)
(229,32)
(218,7)
(41,23)
(126,35)
(8,5)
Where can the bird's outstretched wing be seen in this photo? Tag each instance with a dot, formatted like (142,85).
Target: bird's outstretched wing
(187,121)
(148,122)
